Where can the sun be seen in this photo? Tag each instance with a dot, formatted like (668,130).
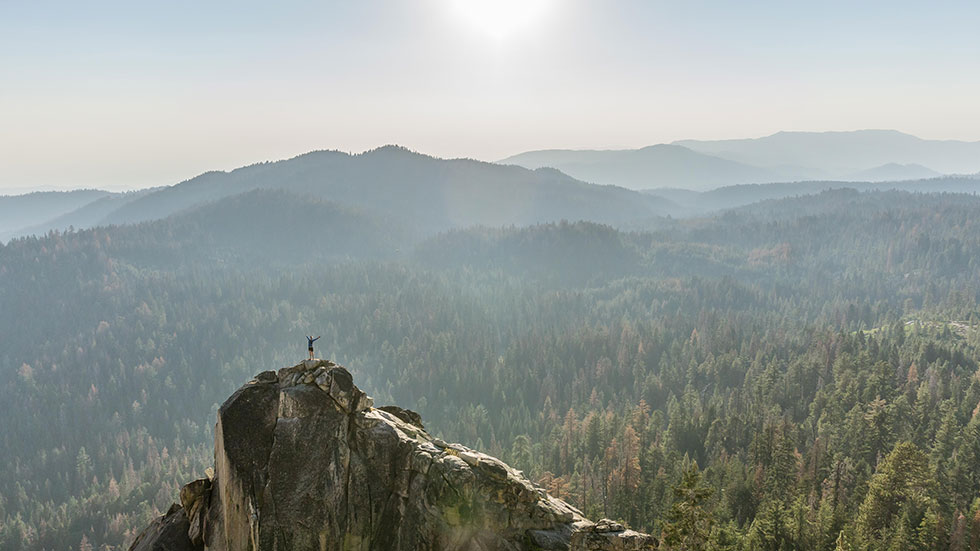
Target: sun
(500,19)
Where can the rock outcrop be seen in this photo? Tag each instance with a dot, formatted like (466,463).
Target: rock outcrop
(304,461)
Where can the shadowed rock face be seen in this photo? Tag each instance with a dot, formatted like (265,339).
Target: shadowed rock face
(303,461)
(167,533)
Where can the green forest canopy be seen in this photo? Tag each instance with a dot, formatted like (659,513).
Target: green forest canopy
(815,357)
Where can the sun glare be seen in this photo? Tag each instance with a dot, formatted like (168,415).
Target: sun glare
(501,18)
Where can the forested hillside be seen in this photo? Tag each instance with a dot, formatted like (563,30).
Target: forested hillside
(21,211)
(424,193)
(816,358)
(689,203)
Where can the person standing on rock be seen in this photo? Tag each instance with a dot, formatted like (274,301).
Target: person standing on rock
(312,340)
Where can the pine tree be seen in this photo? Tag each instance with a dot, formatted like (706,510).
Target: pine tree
(964,471)
(931,533)
(944,445)
(900,489)
(689,521)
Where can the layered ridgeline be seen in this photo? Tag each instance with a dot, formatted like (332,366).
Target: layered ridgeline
(857,156)
(845,154)
(304,461)
(408,188)
(655,166)
(420,196)
(21,211)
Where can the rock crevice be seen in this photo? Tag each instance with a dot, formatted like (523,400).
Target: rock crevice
(304,461)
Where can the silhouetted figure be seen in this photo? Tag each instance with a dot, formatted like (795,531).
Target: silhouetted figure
(312,340)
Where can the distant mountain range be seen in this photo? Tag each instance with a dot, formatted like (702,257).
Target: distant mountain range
(863,155)
(417,192)
(23,211)
(422,195)
(844,153)
(655,166)
(697,203)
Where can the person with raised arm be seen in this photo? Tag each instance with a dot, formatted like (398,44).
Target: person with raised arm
(312,340)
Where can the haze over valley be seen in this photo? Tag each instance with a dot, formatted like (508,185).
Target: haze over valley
(524,275)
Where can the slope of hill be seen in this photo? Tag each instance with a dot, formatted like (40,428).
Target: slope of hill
(21,211)
(581,254)
(86,216)
(779,335)
(429,193)
(692,203)
(843,153)
(655,166)
(832,202)
(549,251)
(265,228)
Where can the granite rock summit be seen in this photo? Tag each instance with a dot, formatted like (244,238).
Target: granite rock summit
(304,461)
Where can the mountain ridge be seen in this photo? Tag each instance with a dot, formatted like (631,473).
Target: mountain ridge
(844,152)
(435,195)
(785,156)
(392,180)
(659,165)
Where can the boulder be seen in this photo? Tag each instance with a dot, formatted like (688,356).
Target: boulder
(167,533)
(608,535)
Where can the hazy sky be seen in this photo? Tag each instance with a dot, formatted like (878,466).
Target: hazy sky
(132,94)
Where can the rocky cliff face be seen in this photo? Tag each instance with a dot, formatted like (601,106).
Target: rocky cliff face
(304,461)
